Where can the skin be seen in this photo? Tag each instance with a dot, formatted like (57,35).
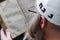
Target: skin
(49,31)
(52,32)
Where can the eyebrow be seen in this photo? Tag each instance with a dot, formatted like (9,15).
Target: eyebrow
(32,11)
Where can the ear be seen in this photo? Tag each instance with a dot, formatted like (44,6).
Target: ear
(43,22)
